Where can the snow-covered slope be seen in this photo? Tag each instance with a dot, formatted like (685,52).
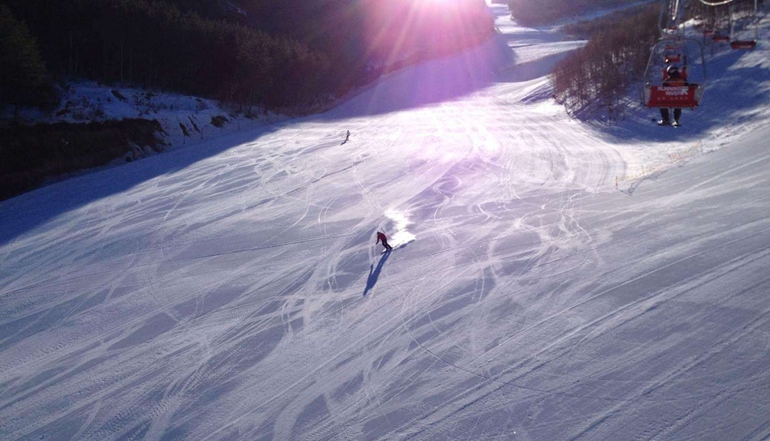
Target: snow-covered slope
(556,280)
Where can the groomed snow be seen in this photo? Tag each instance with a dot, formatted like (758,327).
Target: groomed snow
(557,280)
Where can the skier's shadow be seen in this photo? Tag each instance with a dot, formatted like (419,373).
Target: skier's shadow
(374,274)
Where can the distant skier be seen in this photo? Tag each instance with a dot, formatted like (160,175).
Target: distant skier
(347,138)
(384,239)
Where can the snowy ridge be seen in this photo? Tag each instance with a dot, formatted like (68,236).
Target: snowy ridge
(232,290)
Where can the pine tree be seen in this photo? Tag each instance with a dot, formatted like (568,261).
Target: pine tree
(23,77)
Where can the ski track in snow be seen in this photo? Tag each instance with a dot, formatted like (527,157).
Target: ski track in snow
(241,297)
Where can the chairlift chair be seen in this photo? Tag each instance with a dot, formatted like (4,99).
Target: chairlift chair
(710,24)
(744,30)
(657,94)
(719,25)
(743,44)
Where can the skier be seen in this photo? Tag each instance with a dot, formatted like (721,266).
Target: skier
(673,78)
(347,137)
(384,239)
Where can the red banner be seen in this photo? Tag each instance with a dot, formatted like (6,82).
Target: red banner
(673,96)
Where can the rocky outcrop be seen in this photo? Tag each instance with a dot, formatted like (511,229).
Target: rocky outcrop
(32,155)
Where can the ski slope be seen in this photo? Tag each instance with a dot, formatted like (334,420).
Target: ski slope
(555,280)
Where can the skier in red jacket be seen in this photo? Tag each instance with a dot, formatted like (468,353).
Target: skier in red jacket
(384,239)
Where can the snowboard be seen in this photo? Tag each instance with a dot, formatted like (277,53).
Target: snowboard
(393,248)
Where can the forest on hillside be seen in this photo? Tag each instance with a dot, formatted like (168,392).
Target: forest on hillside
(600,73)
(540,12)
(267,53)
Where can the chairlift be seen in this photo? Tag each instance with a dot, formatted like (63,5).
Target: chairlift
(717,27)
(673,58)
(716,2)
(670,19)
(743,44)
(722,25)
(659,92)
(744,28)
(709,26)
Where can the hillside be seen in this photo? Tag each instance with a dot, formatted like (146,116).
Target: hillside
(262,53)
(553,280)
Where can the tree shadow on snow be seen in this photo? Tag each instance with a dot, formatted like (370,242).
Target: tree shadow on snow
(25,212)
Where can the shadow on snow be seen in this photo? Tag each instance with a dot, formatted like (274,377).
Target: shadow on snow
(374,274)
